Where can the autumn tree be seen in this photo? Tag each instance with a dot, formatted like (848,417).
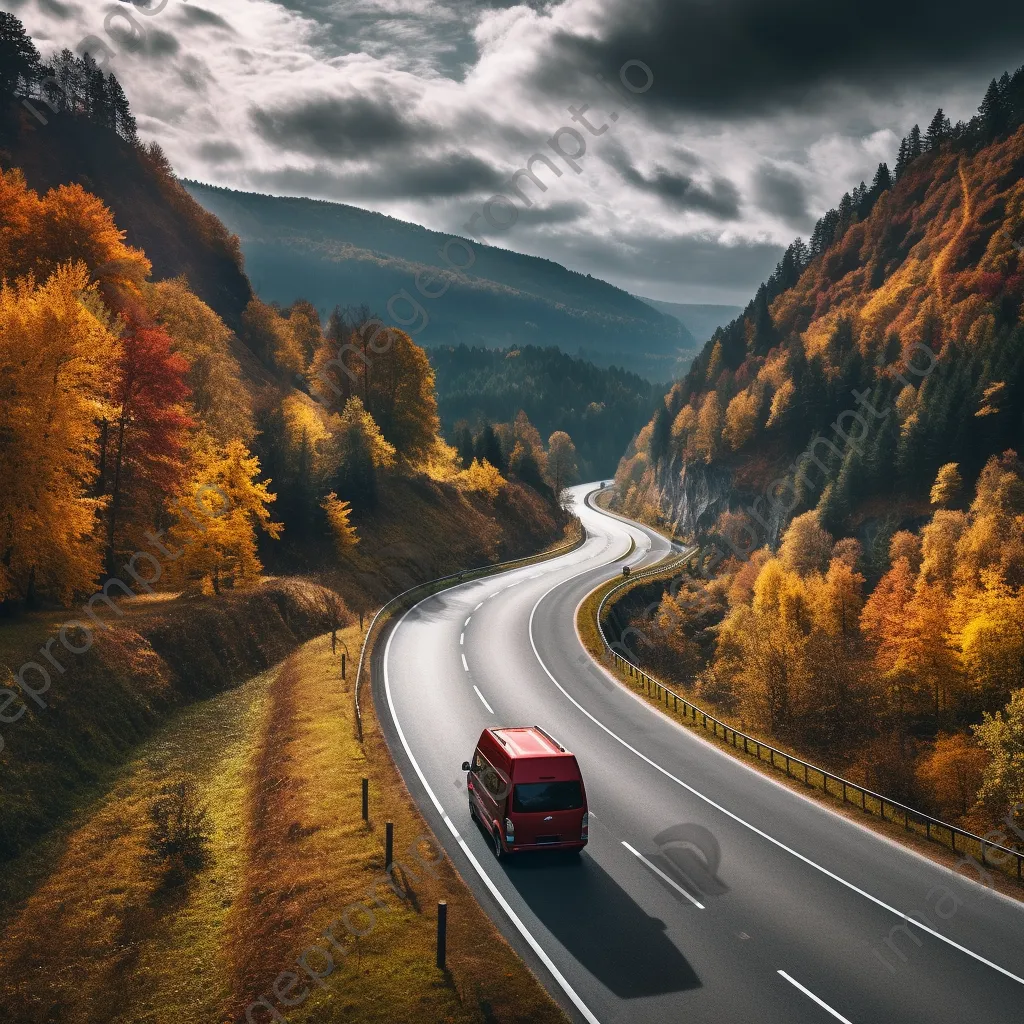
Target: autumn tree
(213,538)
(805,546)
(271,337)
(57,357)
(947,485)
(561,462)
(76,225)
(952,774)
(306,328)
(144,442)
(1002,735)
(387,371)
(741,419)
(707,436)
(219,395)
(338,514)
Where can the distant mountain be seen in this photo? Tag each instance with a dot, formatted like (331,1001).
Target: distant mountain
(699,319)
(333,254)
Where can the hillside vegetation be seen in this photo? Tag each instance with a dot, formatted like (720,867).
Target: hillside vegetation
(847,449)
(602,409)
(340,255)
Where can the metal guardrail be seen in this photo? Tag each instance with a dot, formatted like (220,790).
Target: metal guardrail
(421,589)
(933,829)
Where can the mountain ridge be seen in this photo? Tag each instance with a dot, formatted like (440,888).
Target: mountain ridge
(336,254)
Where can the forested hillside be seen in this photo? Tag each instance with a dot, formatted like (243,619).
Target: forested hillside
(334,254)
(84,134)
(848,450)
(602,409)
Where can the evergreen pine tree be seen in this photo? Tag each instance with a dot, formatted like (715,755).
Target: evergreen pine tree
(938,131)
(488,448)
(992,112)
(19,59)
(464,444)
(902,158)
(881,182)
(122,118)
(914,144)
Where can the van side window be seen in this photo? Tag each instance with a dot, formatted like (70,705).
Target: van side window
(489,776)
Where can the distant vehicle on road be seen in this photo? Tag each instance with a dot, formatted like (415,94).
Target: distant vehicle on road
(526,791)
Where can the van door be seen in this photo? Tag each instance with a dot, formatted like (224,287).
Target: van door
(489,788)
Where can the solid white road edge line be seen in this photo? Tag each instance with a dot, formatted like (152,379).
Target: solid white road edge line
(746,824)
(661,874)
(482,698)
(810,995)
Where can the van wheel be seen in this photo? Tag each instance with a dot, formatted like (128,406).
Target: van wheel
(499,850)
(472,811)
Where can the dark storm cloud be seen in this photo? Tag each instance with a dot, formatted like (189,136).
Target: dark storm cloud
(556,213)
(694,263)
(444,176)
(334,126)
(452,174)
(219,152)
(201,16)
(56,9)
(781,192)
(153,42)
(740,57)
(680,191)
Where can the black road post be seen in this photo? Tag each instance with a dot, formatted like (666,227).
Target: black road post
(389,843)
(366,799)
(442,933)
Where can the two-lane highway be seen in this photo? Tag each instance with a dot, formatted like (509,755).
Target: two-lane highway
(708,891)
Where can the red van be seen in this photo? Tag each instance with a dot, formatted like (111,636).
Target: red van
(526,790)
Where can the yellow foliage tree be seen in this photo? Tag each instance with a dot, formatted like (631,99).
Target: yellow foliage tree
(947,484)
(483,477)
(338,513)
(217,518)
(707,436)
(740,419)
(219,395)
(57,359)
(271,337)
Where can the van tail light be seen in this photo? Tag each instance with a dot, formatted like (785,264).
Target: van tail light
(510,831)
(585,832)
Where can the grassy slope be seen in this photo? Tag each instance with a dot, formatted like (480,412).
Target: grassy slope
(160,656)
(281,777)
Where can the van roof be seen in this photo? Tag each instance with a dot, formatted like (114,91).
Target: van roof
(529,741)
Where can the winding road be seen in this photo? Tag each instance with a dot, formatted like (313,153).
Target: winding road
(708,891)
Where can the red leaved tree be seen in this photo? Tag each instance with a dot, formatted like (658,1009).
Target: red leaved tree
(144,446)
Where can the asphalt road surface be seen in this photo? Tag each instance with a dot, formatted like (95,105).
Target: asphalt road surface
(708,891)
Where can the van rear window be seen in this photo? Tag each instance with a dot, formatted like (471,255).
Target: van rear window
(547,796)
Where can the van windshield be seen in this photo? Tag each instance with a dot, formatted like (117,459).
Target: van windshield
(547,796)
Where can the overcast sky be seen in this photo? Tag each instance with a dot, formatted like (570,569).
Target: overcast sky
(761,112)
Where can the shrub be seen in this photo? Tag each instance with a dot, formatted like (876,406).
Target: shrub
(179,827)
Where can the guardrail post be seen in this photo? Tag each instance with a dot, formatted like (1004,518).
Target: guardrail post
(442,933)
